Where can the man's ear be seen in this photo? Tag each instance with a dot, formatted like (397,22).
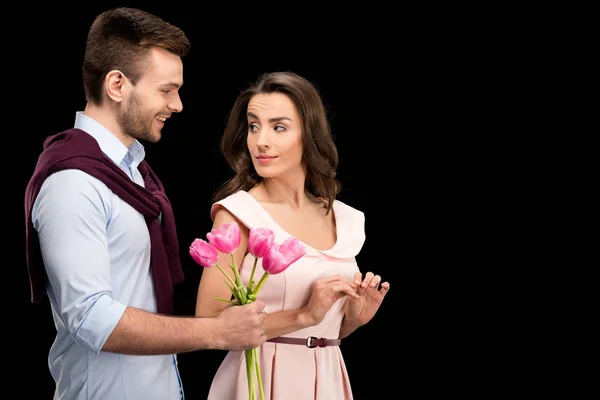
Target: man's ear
(115,85)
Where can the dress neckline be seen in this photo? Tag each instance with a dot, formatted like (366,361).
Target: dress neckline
(334,210)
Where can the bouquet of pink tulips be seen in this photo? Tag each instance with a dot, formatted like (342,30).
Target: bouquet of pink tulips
(276,258)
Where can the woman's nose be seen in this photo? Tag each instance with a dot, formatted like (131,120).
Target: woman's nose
(262,139)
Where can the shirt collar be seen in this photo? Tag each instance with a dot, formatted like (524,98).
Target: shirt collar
(108,142)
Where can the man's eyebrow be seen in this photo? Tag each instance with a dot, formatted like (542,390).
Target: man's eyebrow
(171,85)
(276,119)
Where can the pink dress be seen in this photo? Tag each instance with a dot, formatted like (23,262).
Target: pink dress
(290,371)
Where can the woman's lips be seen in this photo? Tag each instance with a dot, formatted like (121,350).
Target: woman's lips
(265,159)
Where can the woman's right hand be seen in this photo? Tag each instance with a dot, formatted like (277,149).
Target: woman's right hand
(326,291)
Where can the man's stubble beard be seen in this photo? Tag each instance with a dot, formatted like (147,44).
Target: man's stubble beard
(133,122)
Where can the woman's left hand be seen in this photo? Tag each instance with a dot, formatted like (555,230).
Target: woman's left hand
(362,309)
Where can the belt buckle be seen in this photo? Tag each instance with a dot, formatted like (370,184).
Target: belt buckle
(309,342)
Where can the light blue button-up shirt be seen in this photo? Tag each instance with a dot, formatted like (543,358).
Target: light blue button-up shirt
(96,250)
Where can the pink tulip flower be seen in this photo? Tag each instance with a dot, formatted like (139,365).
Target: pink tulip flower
(259,240)
(203,253)
(226,238)
(279,257)
(293,249)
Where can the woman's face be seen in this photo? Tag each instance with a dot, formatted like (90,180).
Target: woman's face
(274,135)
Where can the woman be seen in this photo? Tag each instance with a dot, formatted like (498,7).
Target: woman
(279,144)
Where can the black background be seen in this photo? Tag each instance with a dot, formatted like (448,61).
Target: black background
(395,96)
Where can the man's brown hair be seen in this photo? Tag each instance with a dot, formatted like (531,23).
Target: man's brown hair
(121,39)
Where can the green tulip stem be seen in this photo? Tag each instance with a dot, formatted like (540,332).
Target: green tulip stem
(257,366)
(227,276)
(249,364)
(239,285)
(260,283)
(225,300)
(251,282)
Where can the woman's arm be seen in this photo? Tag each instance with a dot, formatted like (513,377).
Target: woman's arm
(325,292)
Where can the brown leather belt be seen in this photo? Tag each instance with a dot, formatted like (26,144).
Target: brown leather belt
(310,341)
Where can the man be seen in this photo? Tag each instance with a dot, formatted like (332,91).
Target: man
(101,238)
